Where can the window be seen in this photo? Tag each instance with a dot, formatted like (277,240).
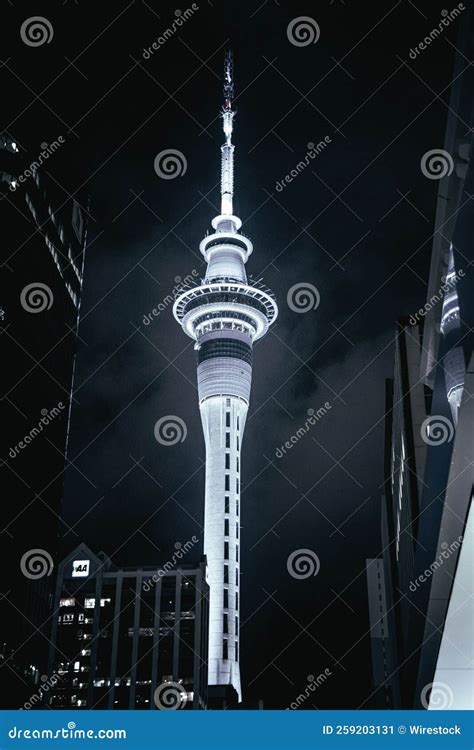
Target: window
(236,651)
(237,506)
(237,464)
(226,550)
(227,419)
(226,598)
(67,602)
(227,460)
(227,402)
(227,484)
(226,527)
(89,603)
(226,623)
(237,484)
(236,530)
(238,443)
(236,599)
(227,440)
(238,423)
(68,619)
(225,650)
(236,625)
(226,574)
(236,553)
(236,577)
(226,504)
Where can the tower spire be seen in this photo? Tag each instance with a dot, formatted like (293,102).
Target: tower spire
(227,150)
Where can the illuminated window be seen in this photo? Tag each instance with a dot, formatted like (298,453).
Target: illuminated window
(67,602)
(89,603)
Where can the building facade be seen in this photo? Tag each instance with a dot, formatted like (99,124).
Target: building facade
(128,638)
(225,315)
(43,247)
(430,440)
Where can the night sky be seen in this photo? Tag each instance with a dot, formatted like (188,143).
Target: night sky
(357,224)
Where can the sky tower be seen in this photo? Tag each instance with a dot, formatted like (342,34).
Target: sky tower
(225,315)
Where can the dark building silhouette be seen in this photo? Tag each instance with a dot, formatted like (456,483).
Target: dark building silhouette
(43,245)
(128,638)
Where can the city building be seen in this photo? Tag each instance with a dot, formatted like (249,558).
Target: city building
(42,264)
(385,682)
(128,638)
(427,517)
(225,315)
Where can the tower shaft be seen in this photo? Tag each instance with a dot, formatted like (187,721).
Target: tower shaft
(224,315)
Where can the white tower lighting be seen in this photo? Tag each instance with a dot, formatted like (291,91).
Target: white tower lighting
(225,315)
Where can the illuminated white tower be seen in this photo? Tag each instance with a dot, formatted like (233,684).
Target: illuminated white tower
(225,315)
